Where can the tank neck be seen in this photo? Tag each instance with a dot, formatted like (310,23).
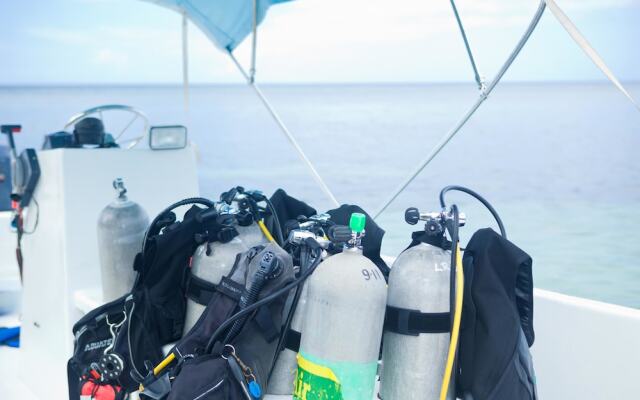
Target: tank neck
(121,190)
(352,250)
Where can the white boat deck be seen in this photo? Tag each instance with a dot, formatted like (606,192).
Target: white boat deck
(584,350)
(14,387)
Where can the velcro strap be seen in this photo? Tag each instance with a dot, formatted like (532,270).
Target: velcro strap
(199,290)
(414,322)
(265,323)
(292,340)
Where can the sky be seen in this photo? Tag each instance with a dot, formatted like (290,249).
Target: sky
(312,41)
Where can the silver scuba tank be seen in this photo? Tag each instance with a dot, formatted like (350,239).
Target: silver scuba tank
(282,378)
(413,361)
(213,260)
(284,372)
(121,228)
(342,325)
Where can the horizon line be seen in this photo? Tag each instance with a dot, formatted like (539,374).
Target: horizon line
(6,85)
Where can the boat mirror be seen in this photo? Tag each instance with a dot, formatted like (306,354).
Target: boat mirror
(167,137)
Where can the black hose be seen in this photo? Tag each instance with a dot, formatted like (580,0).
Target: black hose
(477,197)
(454,230)
(294,305)
(191,200)
(281,292)
(268,263)
(276,221)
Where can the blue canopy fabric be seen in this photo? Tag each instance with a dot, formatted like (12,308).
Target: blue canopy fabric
(225,22)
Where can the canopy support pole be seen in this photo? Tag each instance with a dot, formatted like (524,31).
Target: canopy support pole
(185,62)
(479,80)
(483,96)
(285,131)
(254,44)
(582,42)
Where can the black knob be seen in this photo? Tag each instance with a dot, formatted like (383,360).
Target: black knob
(412,215)
(244,218)
(206,215)
(201,237)
(339,233)
(270,265)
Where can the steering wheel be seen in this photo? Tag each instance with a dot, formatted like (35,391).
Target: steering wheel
(135,115)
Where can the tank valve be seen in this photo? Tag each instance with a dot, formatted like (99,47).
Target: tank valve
(434,221)
(118,185)
(356,224)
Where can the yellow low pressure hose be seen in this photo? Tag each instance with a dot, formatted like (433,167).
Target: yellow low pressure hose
(161,366)
(265,231)
(455,332)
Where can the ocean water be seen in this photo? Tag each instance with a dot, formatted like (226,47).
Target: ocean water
(558,161)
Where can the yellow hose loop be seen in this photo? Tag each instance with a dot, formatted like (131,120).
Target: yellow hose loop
(455,332)
(265,231)
(164,363)
(158,368)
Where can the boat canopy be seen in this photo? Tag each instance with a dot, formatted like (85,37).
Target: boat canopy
(225,22)
(228,22)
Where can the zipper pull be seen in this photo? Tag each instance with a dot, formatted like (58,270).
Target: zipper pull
(236,370)
(255,389)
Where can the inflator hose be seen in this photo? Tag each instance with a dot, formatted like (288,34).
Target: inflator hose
(280,292)
(276,221)
(457,278)
(242,313)
(477,197)
(192,200)
(292,310)
(458,287)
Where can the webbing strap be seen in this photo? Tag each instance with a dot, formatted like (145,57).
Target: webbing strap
(199,290)
(414,322)
(292,340)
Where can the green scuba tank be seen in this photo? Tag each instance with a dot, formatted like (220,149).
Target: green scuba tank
(342,325)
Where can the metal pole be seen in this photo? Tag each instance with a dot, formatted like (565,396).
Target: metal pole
(254,40)
(582,42)
(185,62)
(286,132)
(478,78)
(483,96)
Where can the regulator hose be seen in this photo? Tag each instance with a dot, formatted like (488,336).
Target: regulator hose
(191,200)
(276,221)
(268,264)
(280,292)
(457,287)
(477,197)
(304,256)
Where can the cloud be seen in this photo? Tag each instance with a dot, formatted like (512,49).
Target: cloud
(111,58)
(59,35)
(304,40)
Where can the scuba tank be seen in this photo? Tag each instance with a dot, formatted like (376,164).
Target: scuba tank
(342,325)
(417,327)
(215,257)
(121,229)
(327,235)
